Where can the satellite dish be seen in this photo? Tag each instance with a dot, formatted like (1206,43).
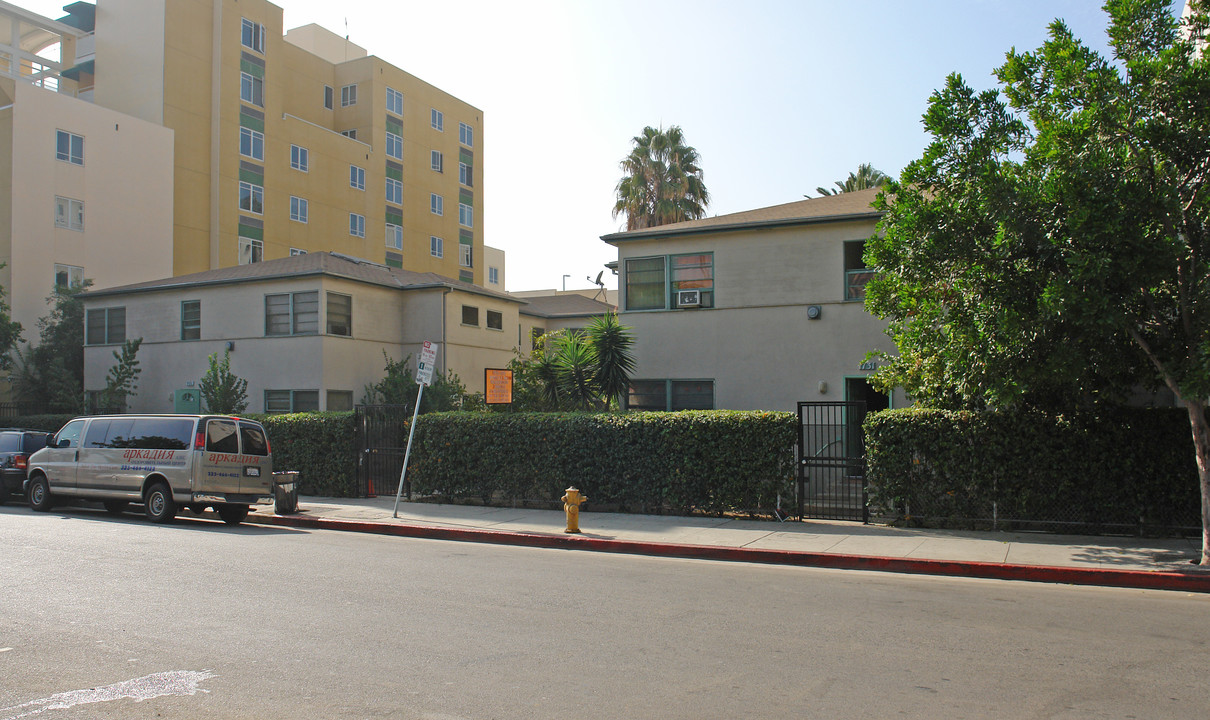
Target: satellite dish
(598,280)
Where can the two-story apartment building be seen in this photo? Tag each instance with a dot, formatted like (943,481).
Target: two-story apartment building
(307,332)
(753,310)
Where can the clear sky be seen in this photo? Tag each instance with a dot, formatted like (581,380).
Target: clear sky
(778,96)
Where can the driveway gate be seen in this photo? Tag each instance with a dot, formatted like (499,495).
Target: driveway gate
(382,438)
(831,461)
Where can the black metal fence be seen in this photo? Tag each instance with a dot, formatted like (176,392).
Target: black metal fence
(382,438)
(831,461)
(21,409)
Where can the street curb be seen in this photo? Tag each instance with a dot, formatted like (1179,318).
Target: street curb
(1188,582)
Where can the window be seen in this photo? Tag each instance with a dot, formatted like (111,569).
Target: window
(465,174)
(69,213)
(466,215)
(251,251)
(855,273)
(253,36)
(328,97)
(649,287)
(286,401)
(394,146)
(437,119)
(298,209)
(68,276)
(394,101)
(251,89)
(436,204)
(436,246)
(394,236)
(106,326)
(693,272)
(671,395)
(470,315)
(299,158)
(191,320)
(297,251)
(292,313)
(251,198)
(495,320)
(252,144)
(493,275)
(348,95)
(394,191)
(69,147)
(466,135)
(645,283)
(464,256)
(436,161)
(350,134)
(340,314)
(357,177)
(340,400)
(357,225)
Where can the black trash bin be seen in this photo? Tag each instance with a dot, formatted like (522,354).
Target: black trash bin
(285,492)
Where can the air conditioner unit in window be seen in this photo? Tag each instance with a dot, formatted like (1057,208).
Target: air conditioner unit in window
(688,298)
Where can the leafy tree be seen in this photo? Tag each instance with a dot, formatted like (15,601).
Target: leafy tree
(866,177)
(399,387)
(1054,246)
(662,182)
(615,361)
(10,332)
(51,373)
(576,370)
(122,379)
(221,391)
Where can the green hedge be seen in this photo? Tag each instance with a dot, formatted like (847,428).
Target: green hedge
(50,423)
(320,446)
(1117,470)
(704,460)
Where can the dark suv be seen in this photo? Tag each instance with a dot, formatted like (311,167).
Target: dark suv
(15,448)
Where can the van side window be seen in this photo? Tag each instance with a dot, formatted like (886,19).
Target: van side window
(96,434)
(161,434)
(69,435)
(120,435)
(254,439)
(221,437)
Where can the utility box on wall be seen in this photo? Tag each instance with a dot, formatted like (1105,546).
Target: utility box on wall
(188,400)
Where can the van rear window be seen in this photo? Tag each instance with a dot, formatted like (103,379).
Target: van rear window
(254,439)
(221,437)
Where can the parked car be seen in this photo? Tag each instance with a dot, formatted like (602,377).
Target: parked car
(16,446)
(162,461)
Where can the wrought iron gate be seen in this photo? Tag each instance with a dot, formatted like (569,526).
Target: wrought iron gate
(382,438)
(831,461)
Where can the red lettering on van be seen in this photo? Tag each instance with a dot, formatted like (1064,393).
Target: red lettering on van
(239,459)
(133,454)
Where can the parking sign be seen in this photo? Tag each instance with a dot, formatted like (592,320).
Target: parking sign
(428,358)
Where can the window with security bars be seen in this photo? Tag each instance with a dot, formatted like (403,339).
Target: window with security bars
(292,313)
(470,315)
(105,326)
(645,283)
(692,272)
(340,314)
(286,401)
(495,320)
(670,395)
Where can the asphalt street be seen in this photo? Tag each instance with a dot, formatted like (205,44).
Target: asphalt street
(114,617)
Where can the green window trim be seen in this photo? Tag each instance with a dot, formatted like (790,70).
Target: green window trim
(394,260)
(465,156)
(394,218)
(653,282)
(466,276)
(466,198)
(464,240)
(256,178)
(252,69)
(251,123)
(395,174)
(394,126)
(252,233)
(671,395)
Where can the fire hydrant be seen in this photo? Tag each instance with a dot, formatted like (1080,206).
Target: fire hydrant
(571,505)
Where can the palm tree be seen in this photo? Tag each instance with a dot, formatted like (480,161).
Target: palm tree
(662,183)
(867,176)
(615,361)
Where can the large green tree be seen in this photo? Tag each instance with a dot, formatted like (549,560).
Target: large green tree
(1051,246)
(662,182)
(866,177)
(51,374)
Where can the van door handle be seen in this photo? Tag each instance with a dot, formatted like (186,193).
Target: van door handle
(77,456)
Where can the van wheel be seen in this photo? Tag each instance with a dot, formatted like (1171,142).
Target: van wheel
(115,507)
(40,498)
(159,505)
(233,514)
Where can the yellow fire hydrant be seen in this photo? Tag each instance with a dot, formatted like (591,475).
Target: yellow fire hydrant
(571,505)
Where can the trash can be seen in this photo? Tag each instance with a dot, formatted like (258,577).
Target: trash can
(285,492)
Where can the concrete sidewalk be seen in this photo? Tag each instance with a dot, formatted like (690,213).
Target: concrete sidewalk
(1164,563)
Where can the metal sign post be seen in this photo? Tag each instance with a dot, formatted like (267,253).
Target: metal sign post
(424,376)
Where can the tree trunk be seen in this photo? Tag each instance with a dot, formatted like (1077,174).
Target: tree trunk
(1201,446)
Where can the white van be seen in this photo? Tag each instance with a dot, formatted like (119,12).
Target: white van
(162,461)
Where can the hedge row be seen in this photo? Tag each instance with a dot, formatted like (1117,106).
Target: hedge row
(321,446)
(1120,469)
(679,462)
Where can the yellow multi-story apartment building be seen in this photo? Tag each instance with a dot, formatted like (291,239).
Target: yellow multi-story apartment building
(286,143)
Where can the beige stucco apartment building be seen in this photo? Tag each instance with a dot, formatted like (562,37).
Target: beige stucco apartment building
(307,332)
(85,190)
(752,310)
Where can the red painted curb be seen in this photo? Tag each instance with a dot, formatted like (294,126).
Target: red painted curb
(1189,582)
